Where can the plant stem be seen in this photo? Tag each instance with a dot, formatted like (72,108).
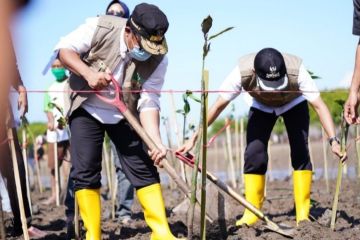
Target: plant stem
(204,106)
(184,128)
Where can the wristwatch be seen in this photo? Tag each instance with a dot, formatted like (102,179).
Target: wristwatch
(332,139)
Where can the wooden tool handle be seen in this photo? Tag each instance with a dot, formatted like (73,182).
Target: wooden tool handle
(151,145)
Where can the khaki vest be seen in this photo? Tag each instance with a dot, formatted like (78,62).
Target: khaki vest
(105,53)
(274,99)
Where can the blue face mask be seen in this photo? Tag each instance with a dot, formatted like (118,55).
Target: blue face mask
(139,54)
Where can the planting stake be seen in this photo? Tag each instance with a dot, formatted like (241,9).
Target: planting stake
(114,183)
(357,144)
(344,134)
(57,175)
(242,150)
(270,162)
(237,146)
(177,133)
(37,165)
(311,155)
(18,184)
(24,153)
(326,174)
(230,154)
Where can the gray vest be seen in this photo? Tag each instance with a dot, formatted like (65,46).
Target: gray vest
(105,53)
(274,99)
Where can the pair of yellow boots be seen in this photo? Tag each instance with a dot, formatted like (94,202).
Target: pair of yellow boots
(151,200)
(254,193)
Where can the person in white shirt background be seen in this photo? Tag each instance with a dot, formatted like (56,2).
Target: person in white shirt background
(57,132)
(279,85)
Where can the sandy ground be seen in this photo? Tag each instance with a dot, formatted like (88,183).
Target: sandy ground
(278,206)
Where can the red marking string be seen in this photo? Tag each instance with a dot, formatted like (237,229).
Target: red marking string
(175,91)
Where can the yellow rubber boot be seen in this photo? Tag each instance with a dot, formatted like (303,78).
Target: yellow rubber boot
(254,193)
(302,185)
(151,200)
(90,212)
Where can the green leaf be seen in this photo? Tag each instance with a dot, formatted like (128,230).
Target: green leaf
(193,97)
(186,108)
(185,96)
(313,76)
(180,111)
(206,24)
(218,34)
(61,121)
(54,105)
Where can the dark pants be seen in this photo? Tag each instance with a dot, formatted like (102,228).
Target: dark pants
(6,169)
(260,125)
(87,136)
(125,191)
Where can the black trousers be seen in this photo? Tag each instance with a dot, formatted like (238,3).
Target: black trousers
(87,136)
(260,125)
(7,172)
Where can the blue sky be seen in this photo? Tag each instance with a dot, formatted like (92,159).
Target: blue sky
(317,31)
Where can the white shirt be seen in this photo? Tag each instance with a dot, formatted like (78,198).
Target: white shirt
(57,97)
(232,87)
(80,41)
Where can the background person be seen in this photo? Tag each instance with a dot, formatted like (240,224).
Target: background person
(118,9)
(54,105)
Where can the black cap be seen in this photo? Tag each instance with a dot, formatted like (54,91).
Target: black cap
(270,69)
(151,24)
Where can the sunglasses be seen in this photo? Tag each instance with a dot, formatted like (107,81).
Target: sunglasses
(115,13)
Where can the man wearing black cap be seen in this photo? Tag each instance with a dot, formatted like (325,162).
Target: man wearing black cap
(133,51)
(279,85)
